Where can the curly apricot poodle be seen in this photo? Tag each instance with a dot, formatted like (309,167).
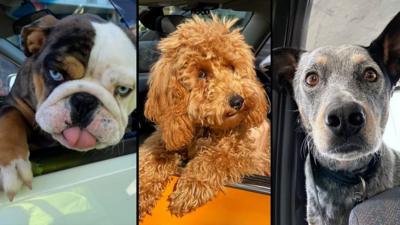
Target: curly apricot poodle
(210,111)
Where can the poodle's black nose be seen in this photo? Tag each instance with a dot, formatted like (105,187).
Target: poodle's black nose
(345,119)
(236,101)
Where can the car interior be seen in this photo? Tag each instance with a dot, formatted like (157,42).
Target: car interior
(13,16)
(157,19)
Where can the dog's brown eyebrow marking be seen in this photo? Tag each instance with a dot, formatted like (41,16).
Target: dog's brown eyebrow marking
(39,87)
(25,110)
(322,59)
(358,58)
(73,67)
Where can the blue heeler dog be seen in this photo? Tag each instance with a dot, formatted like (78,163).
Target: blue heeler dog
(343,97)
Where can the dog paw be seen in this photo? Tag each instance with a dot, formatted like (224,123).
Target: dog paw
(149,192)
(189,195)
(146,205)
(14,175)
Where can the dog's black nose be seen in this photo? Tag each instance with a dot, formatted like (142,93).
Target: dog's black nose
(345,119)
(83,106)
(236,101)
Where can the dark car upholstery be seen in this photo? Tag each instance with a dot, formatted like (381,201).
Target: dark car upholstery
(381,209)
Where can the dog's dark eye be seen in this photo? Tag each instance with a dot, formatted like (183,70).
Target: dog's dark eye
(122,91)
(370,75)
(55,75)
(202,74)
(312,79)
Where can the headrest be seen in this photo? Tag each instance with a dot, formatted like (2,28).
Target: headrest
(148,17)
(169,23)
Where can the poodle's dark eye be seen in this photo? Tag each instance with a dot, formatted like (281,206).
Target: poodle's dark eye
(232,67)
(202,74)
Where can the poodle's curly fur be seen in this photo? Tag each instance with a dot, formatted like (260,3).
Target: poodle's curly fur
(202,64)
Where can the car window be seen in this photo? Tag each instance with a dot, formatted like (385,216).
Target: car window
(60,9)
(242,16)
(8,72)
(339,22)
(150,36)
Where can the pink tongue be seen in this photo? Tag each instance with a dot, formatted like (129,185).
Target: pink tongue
(79,138)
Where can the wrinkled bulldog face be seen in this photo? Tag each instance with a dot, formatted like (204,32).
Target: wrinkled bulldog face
(84,79)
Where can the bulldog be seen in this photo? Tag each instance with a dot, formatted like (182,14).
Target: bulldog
(76,87)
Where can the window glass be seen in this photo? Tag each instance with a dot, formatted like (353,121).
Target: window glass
(60,9)
(149,36)
(8,72)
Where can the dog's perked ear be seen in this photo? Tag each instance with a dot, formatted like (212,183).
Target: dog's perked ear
(166,105)
(284,65)
(34,35)
(386,49)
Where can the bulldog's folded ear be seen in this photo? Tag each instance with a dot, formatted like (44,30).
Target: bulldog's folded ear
(34,35)
(386,49)
(284,65)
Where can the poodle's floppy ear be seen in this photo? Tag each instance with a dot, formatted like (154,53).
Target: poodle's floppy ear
(166,105)
(284,65)
(386,50)
(34,35)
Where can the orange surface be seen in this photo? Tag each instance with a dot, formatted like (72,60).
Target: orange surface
(233,207)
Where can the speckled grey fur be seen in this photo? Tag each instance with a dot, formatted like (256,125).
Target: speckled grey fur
(330,203)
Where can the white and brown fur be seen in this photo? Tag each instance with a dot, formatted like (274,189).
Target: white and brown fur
(94,57)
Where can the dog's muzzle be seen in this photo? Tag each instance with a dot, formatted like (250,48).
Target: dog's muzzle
(83,106)
(82,115)
(345,119)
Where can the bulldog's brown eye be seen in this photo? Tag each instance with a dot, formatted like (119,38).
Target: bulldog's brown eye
(312,79)
(202,74)
(370,75)
(122,91)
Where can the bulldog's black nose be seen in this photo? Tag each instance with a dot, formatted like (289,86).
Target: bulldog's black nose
(345,119)
(236,101)
(83,106)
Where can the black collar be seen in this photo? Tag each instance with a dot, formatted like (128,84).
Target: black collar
(345,177)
